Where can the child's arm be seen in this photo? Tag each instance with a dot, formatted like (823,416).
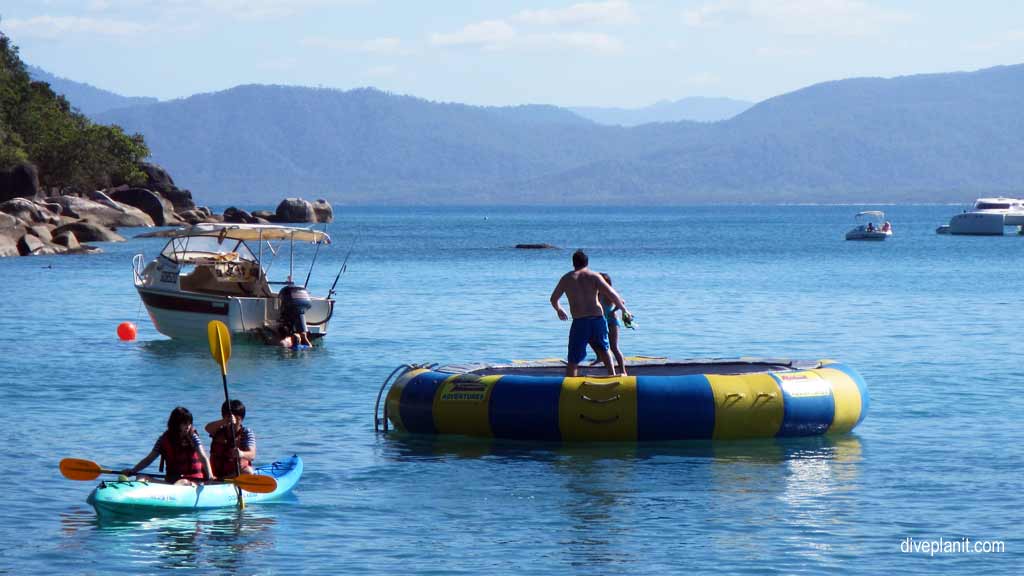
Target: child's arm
(212,427)
(142,463)
(249,454)
(207,469)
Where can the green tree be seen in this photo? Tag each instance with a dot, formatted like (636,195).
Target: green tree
(70,151)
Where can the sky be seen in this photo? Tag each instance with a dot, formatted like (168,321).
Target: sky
(621,53)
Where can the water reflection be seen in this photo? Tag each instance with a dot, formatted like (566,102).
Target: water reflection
(744,493)
(220,539)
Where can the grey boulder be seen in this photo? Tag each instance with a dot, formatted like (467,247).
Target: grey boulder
(105,212)
(294,210)
(88,231)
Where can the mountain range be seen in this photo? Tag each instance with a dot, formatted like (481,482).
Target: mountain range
(923,138)
(89,99)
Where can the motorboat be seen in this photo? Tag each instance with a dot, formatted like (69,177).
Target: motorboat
(1012,209)
(871,225)
(212,272)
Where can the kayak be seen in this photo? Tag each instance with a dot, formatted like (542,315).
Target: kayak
(139,497)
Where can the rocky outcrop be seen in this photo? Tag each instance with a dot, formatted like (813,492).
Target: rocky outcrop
(31,212)
(160,209)
(89,231)
(324,212)
(29,245)
(22,181)
(239,216)
(68,240)
(106,212)
(11,229)
(158,180)
(8,246)
(294,210)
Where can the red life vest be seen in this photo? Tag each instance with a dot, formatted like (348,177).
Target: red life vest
(181,461)
(222,457)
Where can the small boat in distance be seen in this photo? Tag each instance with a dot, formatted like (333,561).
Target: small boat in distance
(210,272)
(871,225)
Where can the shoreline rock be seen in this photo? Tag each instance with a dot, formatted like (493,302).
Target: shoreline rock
(31,224)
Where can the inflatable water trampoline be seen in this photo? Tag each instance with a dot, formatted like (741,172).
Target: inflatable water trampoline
(660,400)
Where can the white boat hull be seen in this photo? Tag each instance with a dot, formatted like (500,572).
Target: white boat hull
(977,224)
(865,235)
(183,315)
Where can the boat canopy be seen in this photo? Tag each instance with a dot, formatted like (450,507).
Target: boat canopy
(253,232)
(872,214)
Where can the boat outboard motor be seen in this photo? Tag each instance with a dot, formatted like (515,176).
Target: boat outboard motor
(295,301)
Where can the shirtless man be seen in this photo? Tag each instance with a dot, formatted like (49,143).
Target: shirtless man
(582,287)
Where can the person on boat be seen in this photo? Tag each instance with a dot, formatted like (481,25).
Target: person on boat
(886,226)
(180,449)
(582,286)
(222,454)
(613,329)
(871,227)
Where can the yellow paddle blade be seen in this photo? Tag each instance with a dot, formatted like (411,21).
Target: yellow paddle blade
(77,469)
(220,343)
(254,483)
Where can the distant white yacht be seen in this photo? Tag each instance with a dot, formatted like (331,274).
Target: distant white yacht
(1012,209)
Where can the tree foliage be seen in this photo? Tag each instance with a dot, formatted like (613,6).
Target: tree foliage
(69,150)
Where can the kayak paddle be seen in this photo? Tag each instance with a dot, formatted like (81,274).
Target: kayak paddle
(220,348)
(78,469)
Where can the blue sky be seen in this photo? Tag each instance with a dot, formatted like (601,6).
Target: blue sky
(626,53)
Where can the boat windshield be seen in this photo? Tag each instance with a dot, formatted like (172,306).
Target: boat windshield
(190,249)
(991,206)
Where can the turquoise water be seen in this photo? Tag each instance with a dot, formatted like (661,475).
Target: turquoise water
(933,323)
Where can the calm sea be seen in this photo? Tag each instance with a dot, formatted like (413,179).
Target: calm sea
(933,323)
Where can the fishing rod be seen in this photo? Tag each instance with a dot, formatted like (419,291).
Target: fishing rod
(344,266)
(313,263)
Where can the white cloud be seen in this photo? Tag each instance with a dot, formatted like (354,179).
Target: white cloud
(612,11)
(52,27)
(798,17)
(487,34)
(500,35)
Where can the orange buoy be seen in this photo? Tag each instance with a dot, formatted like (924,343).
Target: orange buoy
(126,331)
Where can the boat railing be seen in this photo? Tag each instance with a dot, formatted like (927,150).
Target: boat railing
(380,424)
(137,266)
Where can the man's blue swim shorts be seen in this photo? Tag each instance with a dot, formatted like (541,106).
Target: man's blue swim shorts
(591,330)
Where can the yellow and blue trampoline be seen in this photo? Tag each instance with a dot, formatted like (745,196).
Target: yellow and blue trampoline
(659,400)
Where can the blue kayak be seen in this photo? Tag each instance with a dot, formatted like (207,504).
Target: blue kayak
(139,497)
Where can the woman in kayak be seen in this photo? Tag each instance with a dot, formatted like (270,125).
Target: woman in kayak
(222,454)
(180,449)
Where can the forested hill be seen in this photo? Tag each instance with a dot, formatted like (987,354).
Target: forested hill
(88,99)
(941,137)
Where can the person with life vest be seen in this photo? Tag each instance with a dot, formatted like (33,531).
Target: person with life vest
(222,454)
(180,450)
